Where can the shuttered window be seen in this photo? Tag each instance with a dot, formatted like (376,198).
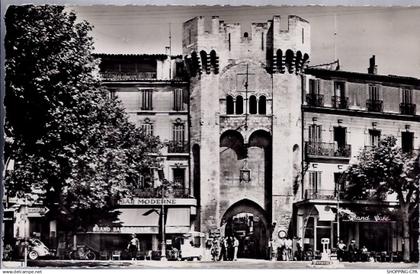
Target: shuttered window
(178,99)
(315,133)
(147,99)
(315,181)
(178,133)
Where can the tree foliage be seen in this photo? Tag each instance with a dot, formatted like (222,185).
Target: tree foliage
(386,170)
(66,135)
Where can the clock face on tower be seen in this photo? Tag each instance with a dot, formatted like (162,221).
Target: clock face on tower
(282,234)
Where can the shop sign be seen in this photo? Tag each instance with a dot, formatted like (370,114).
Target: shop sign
(125,229)
(376,218)
(148,201)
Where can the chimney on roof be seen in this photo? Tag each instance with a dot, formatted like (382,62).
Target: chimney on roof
(373,68)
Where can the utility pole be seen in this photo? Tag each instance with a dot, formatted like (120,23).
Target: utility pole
(162,212)
(246,99)
(170,52)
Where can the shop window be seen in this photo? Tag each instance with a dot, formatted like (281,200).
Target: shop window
(239,105)
(229,105)
(374,137)
(178,100)
(147,99)
(262,105)
(407,141)
(252,105)
(315,133)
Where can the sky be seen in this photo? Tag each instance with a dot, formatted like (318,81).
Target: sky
(390,33)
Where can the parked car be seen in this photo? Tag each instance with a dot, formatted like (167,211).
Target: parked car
(36,249)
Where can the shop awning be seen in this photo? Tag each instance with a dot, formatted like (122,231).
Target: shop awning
(325,213)
(137,217)
(178,220)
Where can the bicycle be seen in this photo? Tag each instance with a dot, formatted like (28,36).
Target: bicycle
(82,253)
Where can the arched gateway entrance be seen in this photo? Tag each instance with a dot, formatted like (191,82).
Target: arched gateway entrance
(247,221)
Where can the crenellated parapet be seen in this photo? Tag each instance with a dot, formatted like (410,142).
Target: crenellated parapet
(283,46)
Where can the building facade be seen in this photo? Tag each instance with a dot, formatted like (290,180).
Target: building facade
(154,93)
(343,112)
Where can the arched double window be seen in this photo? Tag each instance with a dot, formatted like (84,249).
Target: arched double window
(239,105)
(252,104)
(229,105)
(262,105)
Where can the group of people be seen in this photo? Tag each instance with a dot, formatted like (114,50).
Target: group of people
(353,253)
(285,249)
(225,248)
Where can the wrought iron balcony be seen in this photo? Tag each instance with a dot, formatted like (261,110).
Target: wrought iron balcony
(320,194)
(127,76)
(340,102)
(315,100)
(375,105)
(177,147)
(156,193)
(329,150)
(408,109)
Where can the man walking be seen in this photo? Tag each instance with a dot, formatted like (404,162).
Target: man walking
(133,246)
(235,248)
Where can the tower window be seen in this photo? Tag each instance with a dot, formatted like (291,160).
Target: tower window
(262,105)
(246,34)
(252,105)
(239,105)
(229,105)
(303,36)
(262,41)
(229,42)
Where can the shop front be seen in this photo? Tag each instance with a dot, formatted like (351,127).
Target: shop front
(376,231)
(143,218)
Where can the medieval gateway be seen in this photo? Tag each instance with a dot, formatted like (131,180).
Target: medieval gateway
(256,140)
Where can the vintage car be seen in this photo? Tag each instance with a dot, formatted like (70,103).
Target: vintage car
(36,249)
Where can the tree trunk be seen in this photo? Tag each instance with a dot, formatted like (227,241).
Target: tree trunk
(406,233)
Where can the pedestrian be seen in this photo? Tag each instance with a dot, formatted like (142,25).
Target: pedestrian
(299,255)
(281,249)
(352,251)
(222,249)
(133,246)
(288,244)
(230,248)
(235,248)
(340,251)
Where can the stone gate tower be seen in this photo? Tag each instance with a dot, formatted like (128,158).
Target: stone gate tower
(245,105)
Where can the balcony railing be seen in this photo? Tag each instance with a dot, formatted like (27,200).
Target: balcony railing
(340,102)
(156,193)
(128,75)
(320,194)
(315,100)
(375,105)
(408,109)
(327,150)
(177,147)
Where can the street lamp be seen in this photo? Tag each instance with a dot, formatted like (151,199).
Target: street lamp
(162,215)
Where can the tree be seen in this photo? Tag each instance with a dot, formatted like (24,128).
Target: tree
(385,170)
(66,135)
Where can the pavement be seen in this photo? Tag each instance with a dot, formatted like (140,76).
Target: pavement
(240,263)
